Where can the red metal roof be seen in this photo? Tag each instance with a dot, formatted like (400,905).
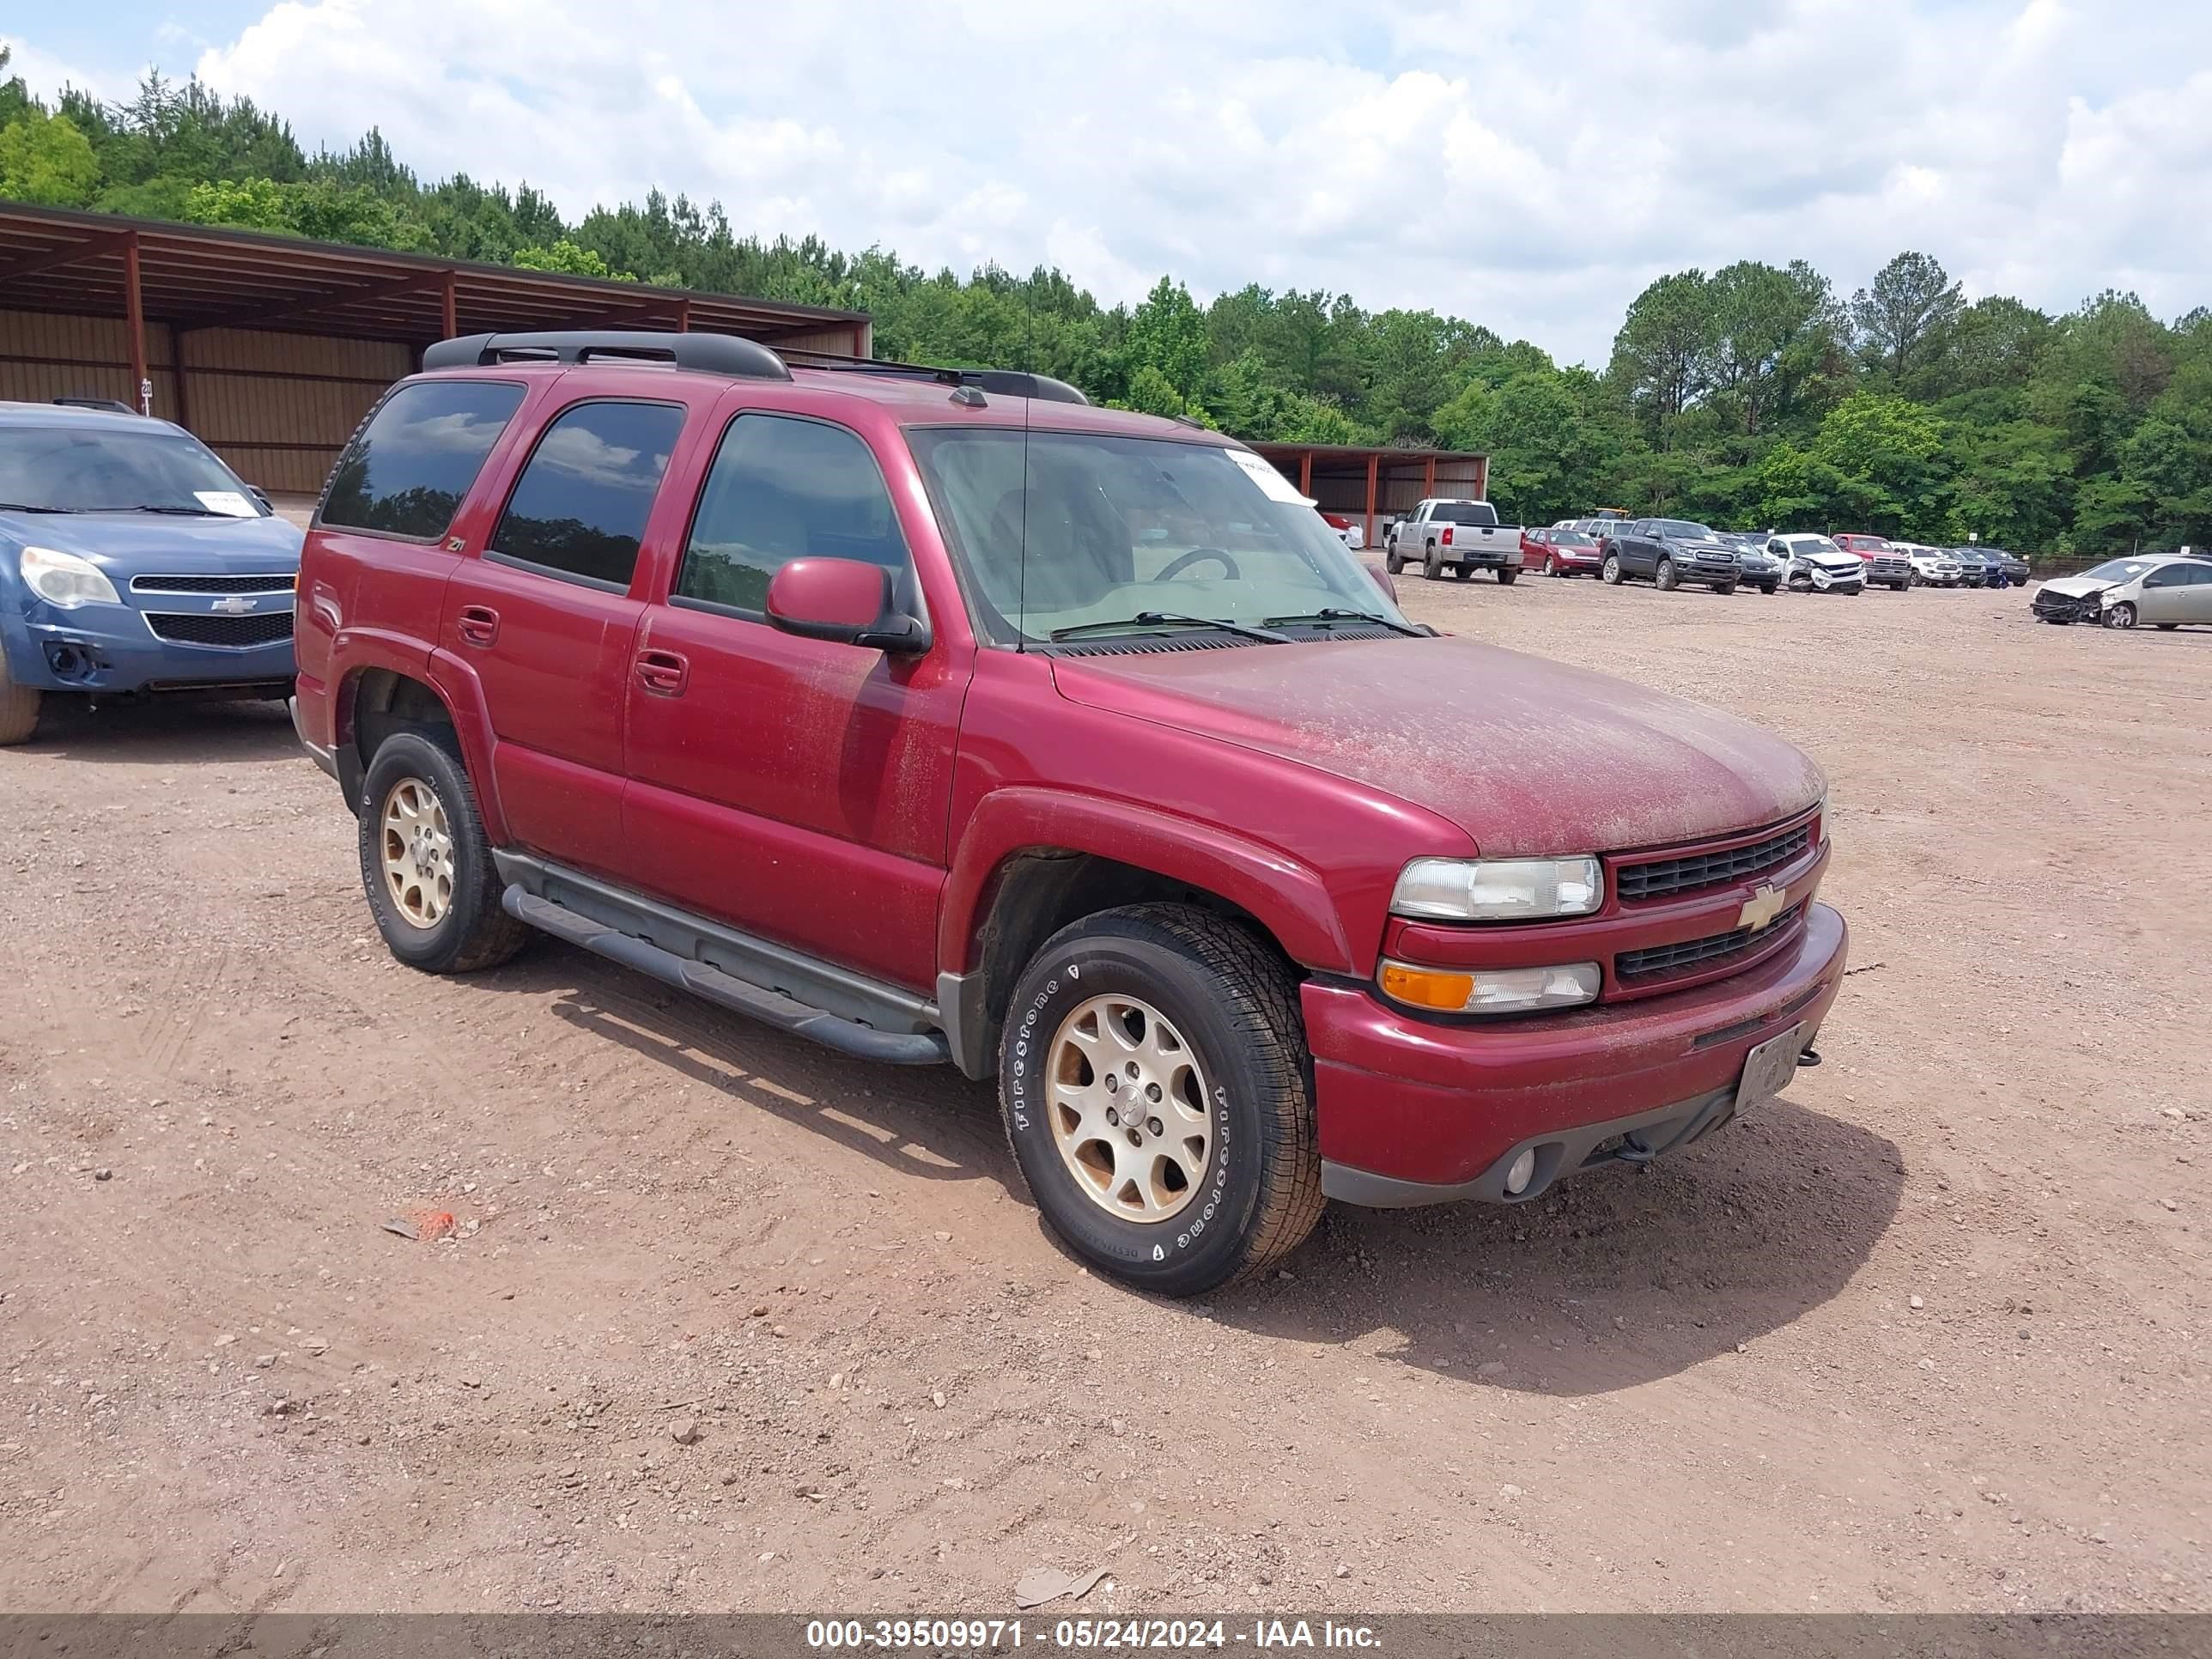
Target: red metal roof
(200,276)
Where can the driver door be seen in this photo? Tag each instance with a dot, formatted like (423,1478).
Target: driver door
(1639,553)
(796,788)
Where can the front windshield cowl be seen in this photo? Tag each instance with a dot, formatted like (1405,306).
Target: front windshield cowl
(1063,535)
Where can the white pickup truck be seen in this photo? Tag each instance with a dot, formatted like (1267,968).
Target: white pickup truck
(1444,533)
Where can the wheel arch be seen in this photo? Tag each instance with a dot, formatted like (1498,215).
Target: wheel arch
(377,699)
(1041,863)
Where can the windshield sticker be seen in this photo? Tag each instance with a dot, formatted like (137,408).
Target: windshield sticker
(1271,483)
(228,503)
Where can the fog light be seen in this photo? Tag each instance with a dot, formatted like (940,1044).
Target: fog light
(1520,1172)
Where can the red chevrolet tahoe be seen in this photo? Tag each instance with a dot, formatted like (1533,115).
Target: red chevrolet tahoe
(941,716)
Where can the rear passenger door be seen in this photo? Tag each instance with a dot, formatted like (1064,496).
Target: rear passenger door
(543,620)
(795,788)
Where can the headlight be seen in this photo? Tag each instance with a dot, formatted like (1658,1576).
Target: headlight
(1489,990)
(1498,889)
(65,580)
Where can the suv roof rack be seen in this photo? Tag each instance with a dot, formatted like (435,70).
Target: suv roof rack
(1006,382)
(115,405)
(713,354)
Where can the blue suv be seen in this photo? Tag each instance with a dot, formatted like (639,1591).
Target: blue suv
(133,562)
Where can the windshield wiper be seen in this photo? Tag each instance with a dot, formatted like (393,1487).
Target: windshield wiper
(1169,619)
(1334,614)
(179,512)
(26,506)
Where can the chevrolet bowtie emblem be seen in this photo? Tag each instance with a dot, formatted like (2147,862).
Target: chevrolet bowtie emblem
(234,605)
(1762,907)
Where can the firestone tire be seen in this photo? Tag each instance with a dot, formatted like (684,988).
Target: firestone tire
(469,931)
(1665,576)
(1462,572)
(1724,588)
(19,709)
(1507,575)
(1392,563)
(1610,573)
(1433,567)
(1232,1004)
(2121,615)
(1768,588)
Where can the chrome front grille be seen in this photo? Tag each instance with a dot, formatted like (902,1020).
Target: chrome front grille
(1690,872)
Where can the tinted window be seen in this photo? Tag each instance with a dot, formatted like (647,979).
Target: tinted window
(581,503)
(1469,513)
(783,490)
(407,471)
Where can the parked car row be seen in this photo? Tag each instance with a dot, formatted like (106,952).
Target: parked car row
(1673,552)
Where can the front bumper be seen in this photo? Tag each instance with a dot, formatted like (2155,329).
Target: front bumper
(1414,1111)
(1842,582)
(111,650)
(2067,607)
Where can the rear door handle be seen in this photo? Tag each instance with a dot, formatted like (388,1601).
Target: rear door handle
(479,624)
(662,673)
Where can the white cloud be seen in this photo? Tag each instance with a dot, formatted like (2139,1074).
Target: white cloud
(1529,165)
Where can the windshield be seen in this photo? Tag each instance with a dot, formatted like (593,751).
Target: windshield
(2118,570)
(1682,530)
(86,468)
(1111,529)
(1815,547)
(1570,538)
(1471,513)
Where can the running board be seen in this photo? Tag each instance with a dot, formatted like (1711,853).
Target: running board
(848,1036)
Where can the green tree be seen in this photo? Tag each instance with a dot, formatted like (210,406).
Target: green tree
(566,256)
(44,159)
(1167,334)
(1906,313)
(1664,351)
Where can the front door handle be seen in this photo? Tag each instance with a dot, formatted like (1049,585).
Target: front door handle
(479,624)
(662,673)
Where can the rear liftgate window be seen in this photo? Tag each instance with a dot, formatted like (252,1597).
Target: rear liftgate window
(408,470)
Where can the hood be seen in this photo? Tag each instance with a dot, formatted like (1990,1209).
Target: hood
(2077,587)
(149,544)
(1834,560)
(1526,754)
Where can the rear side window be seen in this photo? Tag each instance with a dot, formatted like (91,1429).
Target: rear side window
(408,470)
(781,489)
(579,508)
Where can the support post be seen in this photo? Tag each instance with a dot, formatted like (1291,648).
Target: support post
(134,309)
(1429,479)
(1305,473)
(684,317)
(177,377)
(449,308)
(1374,462)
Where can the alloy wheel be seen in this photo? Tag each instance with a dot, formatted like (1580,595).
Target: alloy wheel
(1128,1108)
(418,853)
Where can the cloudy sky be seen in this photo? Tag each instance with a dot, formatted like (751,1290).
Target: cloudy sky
(1530,164)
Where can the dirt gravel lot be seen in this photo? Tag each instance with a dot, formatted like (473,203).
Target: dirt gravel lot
(1928,1333)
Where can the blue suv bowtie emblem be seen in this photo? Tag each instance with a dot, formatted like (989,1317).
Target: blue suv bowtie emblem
(235,606)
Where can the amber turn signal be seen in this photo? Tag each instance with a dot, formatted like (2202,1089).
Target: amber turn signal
(1427,987)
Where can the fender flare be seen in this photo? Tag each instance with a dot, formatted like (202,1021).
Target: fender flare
(1286,896)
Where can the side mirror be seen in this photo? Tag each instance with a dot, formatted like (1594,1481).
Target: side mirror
(1381,579)
(844,600)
